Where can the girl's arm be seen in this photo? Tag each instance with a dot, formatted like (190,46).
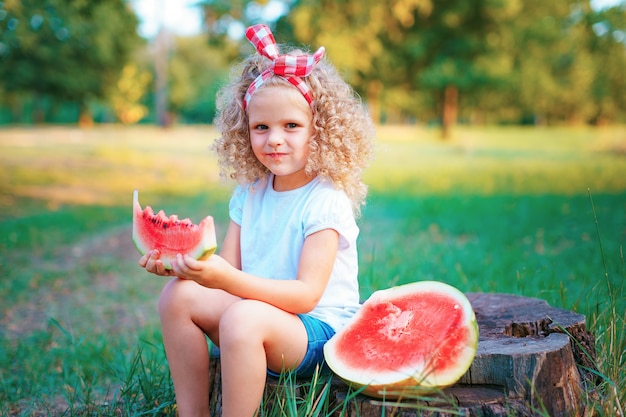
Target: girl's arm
(231,247)
(295,296)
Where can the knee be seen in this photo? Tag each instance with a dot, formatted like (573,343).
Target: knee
(176,294)
(238,323)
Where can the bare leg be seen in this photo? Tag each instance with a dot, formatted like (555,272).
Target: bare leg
(254,336)
(188,311)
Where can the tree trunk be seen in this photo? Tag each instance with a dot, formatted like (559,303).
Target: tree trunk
(373,100)
(85,119)
(449,110)
(161,58)
(39,111)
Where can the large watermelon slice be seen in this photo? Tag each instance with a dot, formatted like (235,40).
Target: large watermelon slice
(170,235)
(407,340)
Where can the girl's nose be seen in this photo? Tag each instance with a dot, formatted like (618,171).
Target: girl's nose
(275,138)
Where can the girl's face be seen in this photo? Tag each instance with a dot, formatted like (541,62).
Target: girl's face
(280,124)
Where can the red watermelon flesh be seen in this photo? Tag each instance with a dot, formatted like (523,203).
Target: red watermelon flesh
(411,339)
(170,235)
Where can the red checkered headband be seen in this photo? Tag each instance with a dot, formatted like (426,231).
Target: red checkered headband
(289,67)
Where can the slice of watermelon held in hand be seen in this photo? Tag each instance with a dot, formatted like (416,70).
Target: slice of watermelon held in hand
(408,340)
(170,235)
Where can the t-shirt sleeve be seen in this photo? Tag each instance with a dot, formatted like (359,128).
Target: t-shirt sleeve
(237,200)
(331,209)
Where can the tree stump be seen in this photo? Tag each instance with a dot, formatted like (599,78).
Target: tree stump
(527,363)
(531,360)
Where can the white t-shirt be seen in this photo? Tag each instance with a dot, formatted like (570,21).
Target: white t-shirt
(274,226)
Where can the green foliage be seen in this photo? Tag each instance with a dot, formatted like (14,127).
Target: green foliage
(510,61)
(146,385)
(293,398)
(196,71)
(516,61)
(609,59)
(64,50)
(552,74)
(131,88)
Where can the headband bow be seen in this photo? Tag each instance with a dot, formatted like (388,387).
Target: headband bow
(289,67)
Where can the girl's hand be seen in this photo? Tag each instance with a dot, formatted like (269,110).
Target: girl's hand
(209,273)
(151,261)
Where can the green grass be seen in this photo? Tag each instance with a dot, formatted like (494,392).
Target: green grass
(536,212)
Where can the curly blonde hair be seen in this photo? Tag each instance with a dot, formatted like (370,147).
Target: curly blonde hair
(341,145)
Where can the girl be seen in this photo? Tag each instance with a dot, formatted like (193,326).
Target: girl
(296,139)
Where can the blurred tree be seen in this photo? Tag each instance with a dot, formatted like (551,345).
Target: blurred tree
(553,70)
(132,85)
(354,32)
(64,50)
(161,49)
(188,69)
(421,51)
(196,70)
(222,18)
(457,49)
(532,60)
(607,45)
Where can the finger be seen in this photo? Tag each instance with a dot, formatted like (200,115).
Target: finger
(182,264)
(146,260)
(190,263)
(161,270)
(143,261)
(152,263)
(176,267)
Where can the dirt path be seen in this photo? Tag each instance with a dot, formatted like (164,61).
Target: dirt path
(93,282)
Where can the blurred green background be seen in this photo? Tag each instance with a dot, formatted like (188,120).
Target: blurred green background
(413,61)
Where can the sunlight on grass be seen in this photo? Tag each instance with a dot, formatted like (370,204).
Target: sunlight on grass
(500,161)
(104,166)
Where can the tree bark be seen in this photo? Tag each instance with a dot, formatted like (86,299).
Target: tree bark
(161,58)
(449,111)
(373,100)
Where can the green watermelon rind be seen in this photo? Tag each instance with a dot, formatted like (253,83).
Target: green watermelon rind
(412,380)
(203,250)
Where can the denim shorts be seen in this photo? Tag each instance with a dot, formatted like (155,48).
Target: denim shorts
(318,334)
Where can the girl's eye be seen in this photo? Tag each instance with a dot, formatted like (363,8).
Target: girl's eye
(261,127)
(292,125)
